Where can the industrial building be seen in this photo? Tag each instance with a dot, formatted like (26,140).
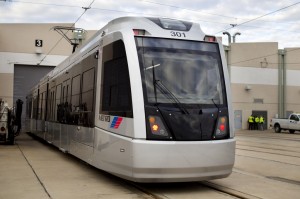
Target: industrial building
(264,79)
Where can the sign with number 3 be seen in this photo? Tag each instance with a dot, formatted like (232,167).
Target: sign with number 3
(39,43)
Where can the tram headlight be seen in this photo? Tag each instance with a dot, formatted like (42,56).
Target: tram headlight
(139,32)
(221,129)
(209,38)
(156,126)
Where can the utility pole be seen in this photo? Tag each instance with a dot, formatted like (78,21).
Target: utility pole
(281,83)
(228,48)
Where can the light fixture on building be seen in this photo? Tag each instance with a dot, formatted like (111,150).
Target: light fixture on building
(248,88)
(264,63)
(38,50)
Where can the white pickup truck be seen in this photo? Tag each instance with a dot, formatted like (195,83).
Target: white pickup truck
(291,123)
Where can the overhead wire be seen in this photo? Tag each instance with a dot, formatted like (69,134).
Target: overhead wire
(207,13)
(268,55)
(254,19)
(112,10)
(161,4)
(46,4)
(193,10)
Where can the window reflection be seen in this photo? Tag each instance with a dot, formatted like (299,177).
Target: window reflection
(190,70)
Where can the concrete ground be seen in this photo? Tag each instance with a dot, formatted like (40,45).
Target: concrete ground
(267,166)
(32,170)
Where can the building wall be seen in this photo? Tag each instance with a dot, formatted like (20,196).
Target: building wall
(255,79)
(17,46)
(20,38)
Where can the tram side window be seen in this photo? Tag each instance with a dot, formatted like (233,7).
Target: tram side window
(43,106)
(88,97)
(40,107)
(52,104)
(75,96)
(35,107)
(57,103)
(116,91)
(66,91)
(48,114)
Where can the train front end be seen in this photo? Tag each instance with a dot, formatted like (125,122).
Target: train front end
(189,134)
(180,123)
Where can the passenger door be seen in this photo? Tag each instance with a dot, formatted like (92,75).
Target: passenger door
(294,122)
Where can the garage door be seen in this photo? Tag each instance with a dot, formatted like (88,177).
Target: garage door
(25,77)
(265,116)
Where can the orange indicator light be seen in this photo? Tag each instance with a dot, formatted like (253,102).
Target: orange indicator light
(151,120)
(223,120)
(155,127)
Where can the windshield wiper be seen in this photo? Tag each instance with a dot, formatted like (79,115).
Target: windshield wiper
(157,84)
(154,82)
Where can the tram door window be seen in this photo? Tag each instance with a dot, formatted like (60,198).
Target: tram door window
(116,91)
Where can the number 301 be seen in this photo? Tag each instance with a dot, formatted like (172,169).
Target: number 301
(177,34)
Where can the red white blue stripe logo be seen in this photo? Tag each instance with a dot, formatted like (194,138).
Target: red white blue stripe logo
(116,122)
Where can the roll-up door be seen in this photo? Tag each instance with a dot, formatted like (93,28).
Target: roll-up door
(25,77)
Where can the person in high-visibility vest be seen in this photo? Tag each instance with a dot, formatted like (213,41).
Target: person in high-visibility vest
(251,122)
(256,122)
(261,123)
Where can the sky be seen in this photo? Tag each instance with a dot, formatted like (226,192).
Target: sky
(256,20)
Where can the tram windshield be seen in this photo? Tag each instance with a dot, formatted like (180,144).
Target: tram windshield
(188,72)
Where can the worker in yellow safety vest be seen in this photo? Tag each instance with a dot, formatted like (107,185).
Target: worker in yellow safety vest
(251,122)
(261,123)
(256,122)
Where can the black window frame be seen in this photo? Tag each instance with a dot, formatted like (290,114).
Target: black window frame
(116,96)
(222,77)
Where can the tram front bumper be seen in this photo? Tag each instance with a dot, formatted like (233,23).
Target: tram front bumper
(171,161)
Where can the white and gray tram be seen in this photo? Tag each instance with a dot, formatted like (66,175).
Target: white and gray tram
(146,99)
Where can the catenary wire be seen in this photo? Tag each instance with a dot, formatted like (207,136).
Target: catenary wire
(268,55)
(45,4)
(254,19)
(193,10)
(207,13)
(128,12)
(112,10)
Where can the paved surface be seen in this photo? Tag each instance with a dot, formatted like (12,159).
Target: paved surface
(32,170)
(267,166)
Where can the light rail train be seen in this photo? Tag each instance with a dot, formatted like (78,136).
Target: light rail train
(146,99)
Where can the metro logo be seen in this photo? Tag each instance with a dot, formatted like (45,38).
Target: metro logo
(116,122)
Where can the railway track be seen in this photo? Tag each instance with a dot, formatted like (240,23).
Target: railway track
(277,136)
(182,187)
(262,166)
